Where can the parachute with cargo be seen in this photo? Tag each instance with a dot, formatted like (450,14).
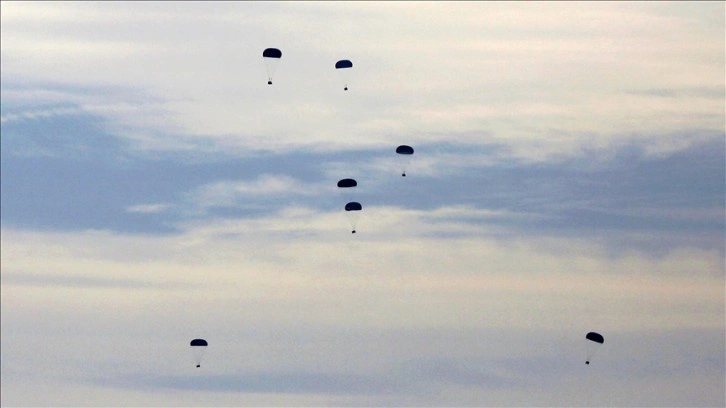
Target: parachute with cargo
(199,347)
(271,57)
(594,341)
(404,153)
(343,67)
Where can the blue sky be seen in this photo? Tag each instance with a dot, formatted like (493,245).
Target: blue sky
(568,177)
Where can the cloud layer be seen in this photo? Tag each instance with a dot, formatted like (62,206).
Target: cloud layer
(513,74)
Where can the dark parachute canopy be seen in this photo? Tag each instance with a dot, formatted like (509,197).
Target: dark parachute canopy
(272,53)
(353,206)
(271,56)
(198,342)
(404,149)
(343,64)
(596,337)
(346,183)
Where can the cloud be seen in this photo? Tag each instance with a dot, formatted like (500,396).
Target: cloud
(149,208)
(545,89)
(242,193)
(274,382)
(266,184)
(402,251)
(80,281)
(42,113)
(293,304)
(706,93)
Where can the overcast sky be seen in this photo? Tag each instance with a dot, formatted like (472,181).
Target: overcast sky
(568,177)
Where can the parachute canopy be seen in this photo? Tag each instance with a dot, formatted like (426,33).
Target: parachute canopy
(343,64)
(596,337)
(404,149)
(198,342)
(272,53)
(353,206)
(271,56)
(346,183)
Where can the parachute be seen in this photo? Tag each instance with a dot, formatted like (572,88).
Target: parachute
(352,210)
(353,206)
(343,67)
(271,56)
(199,346)
(594,340)
(343,64)
(347,183)
(405,153)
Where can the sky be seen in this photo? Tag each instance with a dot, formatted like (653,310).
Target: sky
(568,176)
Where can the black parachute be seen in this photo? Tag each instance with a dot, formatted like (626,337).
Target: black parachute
(346,183)
(343,68)
(596,337)
(343,64)
(199,346)
(352,210)
(198,342)
(404,152)
(272,53)
(271,56)
(404,149)
(353,206)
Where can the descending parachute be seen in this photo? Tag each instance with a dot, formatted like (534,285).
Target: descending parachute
(404,153)
(199,346)
(404,149)
(343,64)
(343,67)
(347,183)
(352,210)
(353,206)
(271,56)
(594,340)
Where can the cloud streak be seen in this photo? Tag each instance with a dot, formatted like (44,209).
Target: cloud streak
(81,281)
(149,208)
